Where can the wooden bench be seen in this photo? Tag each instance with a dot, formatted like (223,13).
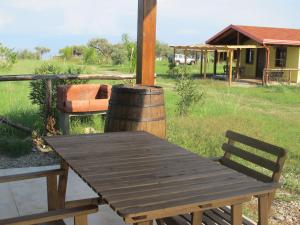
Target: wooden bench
(79,209)
(262,162)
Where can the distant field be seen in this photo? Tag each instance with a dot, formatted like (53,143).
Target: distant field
(269,113)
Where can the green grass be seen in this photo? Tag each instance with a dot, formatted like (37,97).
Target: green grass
(268,113)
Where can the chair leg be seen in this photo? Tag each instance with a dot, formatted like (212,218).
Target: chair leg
(52,192)
(236,214)
(80,220)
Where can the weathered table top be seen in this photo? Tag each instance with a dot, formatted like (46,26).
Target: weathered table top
(143,177)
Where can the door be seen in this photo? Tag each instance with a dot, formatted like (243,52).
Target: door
(261,62)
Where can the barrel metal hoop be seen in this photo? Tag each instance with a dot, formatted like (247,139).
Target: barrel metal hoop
(135,105)
(137,120)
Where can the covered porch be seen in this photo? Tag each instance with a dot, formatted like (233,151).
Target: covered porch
(232,60)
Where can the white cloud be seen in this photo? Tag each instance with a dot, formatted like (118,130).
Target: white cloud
(82,17)
(5,20)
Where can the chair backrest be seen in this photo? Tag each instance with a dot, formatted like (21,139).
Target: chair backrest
(271,159)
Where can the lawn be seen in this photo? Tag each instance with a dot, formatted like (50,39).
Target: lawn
(268,113)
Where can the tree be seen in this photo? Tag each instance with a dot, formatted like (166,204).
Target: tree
(103,48)
(41,51)
(7,57)
(163,50)
(27,54)
(131,51)
(119,54)
(67,52)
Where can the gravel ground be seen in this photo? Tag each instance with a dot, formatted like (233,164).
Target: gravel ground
(33,159)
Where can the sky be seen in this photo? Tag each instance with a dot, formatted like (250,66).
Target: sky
(25,24)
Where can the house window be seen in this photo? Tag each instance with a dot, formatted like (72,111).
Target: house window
(249,56)
(280,60)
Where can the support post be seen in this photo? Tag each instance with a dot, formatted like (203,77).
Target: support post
(48,102)
(230,67)
(146,41)
(185,56)
(205,64)
(215,62)
(201,64)
(266,74)
(174,55)
(238,62)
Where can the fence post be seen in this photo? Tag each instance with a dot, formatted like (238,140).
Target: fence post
(290,77)
(48,101)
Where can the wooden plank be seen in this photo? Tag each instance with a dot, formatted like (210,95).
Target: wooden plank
(167,190)
(260,161)
(144,223)
(103,76)
(266,147)
(245,170)
(28,176)
(83,202)
(184,194)
(146,42)
(49,216)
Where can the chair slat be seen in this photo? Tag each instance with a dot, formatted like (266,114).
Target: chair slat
(260,161)
(245,170)
(50,216)
(263,146)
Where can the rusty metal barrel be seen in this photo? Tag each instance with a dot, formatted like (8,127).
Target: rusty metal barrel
(137,108)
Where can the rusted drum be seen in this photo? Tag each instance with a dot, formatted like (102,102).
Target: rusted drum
(137,108)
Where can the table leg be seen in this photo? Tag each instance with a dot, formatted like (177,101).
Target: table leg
(62,186)
(197,218)
(144,223)
(236,214)
(81,220)
(263,210)
(52,192)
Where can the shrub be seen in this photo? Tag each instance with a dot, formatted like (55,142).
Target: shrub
(90,56)
(7,57)
(188,91)
(119,55)
(38,88)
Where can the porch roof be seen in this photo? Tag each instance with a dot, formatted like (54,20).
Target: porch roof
(206,47)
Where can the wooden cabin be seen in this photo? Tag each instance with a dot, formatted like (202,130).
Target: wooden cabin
(278,49)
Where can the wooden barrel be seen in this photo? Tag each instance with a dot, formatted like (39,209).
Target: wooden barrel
(137,108)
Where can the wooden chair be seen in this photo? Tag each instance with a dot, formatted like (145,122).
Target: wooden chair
(222,215)
(79,209)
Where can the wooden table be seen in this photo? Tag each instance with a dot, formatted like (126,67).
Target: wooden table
(144,178)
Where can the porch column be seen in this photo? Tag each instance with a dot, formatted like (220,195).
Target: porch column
(205,64)
(215,61)
(230,67)
(146,41)
(266,74)
(201,63)
(238,64)
(174,54)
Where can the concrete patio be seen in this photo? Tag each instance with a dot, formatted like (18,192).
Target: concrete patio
(28,197)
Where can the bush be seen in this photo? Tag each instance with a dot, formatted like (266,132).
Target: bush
(7,57)
(188,91)
(90,56)
(38,88)
(119,55)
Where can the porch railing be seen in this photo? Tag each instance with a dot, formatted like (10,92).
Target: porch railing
(279,75)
